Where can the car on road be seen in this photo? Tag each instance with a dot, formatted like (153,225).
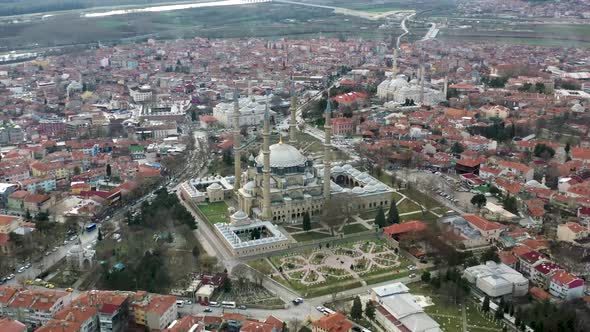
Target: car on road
(29,282)
(242,307)
(28,266)
(48,253)
(207,310)
(413,275)
(411,267)
(69,289)
(320,308)
(297,301)
(10,276)
(50,286)
(21,269)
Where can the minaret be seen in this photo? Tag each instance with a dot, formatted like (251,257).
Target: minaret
(446,87)
(266,212)
(394,64)
(293,123)
(237,145)
(422,84)
(327,148)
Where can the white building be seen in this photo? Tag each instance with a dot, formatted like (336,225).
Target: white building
(209,188)
(239,236)
(497,279)
(398,89)
(399,311)
(141,93)
(566,286)
(251,111)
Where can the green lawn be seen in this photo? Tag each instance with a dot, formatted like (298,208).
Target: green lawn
(215,212)
(448,314)
(407,206)
(368,215)
(261,265)
(427,217)
(396,196)
(421,198)
(309,236)
(354,228)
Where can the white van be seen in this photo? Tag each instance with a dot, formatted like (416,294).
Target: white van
(180,303)
(214,304)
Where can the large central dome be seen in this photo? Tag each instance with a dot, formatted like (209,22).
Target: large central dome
(283,155)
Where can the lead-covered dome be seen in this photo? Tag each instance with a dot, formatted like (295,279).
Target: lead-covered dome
(283,155)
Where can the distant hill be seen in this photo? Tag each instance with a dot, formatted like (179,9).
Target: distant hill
(20,7)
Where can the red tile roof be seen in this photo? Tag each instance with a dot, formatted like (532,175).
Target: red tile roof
(564,278)
(336,322)
(9,325)
(410,226)
(482,223)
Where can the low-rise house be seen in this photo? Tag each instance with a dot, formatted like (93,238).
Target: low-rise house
(335,322)
(9,325)
(33,185)
(571,232)
(8,224)
(154,311)
(35,203)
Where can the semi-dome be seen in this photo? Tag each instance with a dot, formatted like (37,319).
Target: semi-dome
(214,186)
(283,155)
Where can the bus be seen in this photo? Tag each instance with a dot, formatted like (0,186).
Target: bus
(228,304)
(90,227)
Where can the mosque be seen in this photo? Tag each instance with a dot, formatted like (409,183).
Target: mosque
(399,89)
(281,184)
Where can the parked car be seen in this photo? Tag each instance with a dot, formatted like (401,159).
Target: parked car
(242,307)
(69,289)
(21,269)
(207,310)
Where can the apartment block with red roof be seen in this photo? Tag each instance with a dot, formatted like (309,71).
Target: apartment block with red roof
(6,295)
(113,308)
(8,224)
(37,307)
(336,322)
(9,325)
(580,154)
(541,273)
(571,232)
(528,259)
(153,311)
(76,318)
(566,286)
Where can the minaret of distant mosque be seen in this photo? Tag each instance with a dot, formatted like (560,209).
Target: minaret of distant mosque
(293,122)
(266,212)
(394,64)
(237,144)
(327,148)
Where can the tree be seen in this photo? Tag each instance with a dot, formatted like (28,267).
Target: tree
(486,304)
(77,170)
(490,255)
(255,235)
(99,236)
(567,148)
(494,190)
(108,170)
(196,251)
(543,151)
(370,309)
(425,276)
(284,328)
(393,217)
(306,222)
(510,204)
(499,314)
(227,285)
(356,312)
(540,87)
(380,218)
(457,148)
(479,200)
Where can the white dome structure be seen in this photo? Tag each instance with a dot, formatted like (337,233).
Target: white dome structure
(283,156)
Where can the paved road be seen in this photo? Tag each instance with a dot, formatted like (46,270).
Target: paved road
(47,261)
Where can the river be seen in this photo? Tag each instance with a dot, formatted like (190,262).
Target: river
(165,8)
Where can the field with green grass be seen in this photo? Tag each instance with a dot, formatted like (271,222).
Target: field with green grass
(309,236)
(450,314)
(253,20)
(215,212)
(354,228)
